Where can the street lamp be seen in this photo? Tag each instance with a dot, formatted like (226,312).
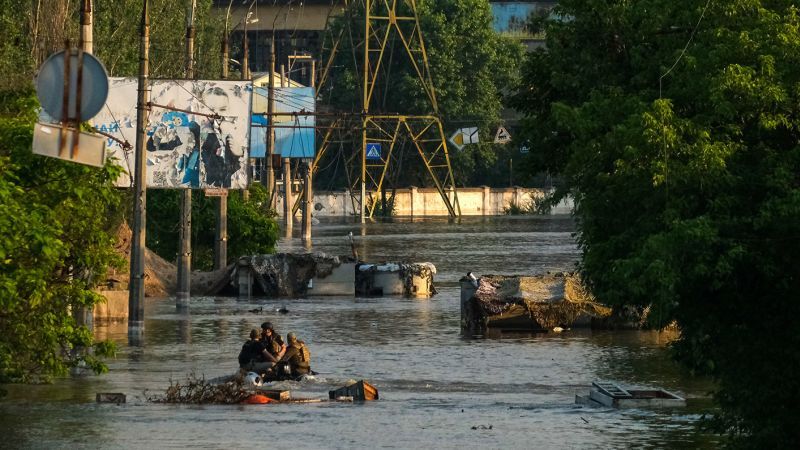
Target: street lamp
(246,50)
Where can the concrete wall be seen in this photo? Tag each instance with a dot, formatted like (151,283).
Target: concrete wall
(114,308)
(480,201)
(340,282)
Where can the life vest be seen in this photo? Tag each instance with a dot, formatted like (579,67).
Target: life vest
(303,359)
(306,355)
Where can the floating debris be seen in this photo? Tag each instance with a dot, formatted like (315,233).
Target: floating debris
(357,390)
(287,274)
(258,399)
(609,394)
(196,390)
(110,397)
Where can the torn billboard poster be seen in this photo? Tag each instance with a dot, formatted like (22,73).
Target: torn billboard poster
(294,132)
(185,149)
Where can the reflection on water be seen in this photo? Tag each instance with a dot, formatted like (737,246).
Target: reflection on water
(435,385)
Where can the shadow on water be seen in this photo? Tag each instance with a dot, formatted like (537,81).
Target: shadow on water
(435,385)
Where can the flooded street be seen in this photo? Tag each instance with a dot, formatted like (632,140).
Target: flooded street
(437,388)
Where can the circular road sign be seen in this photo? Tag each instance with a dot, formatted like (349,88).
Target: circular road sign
(50,86)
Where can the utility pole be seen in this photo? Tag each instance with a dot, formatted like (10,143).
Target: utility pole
(84,314)
(308,191)
(288,216)
(268,176)
(287,197)
(221,238)
(307,202)
(86,26)
(136,288)
(245,51)
(185,234)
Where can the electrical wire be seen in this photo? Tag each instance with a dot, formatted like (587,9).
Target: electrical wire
(124,153)
(683,52)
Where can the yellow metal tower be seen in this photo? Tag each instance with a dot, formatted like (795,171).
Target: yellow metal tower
(385,20)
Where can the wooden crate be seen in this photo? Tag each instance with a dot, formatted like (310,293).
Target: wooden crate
(359,391)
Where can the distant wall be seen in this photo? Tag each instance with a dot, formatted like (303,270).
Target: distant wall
(480,201)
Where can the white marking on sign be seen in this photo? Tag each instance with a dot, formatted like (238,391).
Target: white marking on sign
(502,136)
(464,136)
(373,151)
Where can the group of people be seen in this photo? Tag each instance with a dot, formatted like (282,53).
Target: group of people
(268,355)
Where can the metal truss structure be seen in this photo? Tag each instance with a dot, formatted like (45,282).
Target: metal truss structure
(385,21)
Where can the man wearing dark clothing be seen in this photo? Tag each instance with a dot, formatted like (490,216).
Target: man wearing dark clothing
(272,341)
(254,355)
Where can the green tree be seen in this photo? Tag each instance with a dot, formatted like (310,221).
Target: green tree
(472,68)
(675,127)
(251,229)
(58,222)
(116,38)
(30,31)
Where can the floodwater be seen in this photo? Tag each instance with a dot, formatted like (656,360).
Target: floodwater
(438,389)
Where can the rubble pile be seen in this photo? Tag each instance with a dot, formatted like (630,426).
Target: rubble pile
(287,274)
(540,303)
(424,270)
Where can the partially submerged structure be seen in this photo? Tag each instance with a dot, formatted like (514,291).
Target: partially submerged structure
(318,274)
(527,303)
(609,394)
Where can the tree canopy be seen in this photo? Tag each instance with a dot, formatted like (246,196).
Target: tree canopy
(59,220)
(675,127)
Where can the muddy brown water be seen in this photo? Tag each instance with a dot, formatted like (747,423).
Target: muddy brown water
(438,389)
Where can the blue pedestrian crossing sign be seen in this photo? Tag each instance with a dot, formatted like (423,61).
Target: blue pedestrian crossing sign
(373,151)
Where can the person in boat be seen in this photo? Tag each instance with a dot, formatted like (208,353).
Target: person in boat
(272,341)
(297,357)
(254,355)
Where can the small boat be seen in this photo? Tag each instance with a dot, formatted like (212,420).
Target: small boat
(605,393)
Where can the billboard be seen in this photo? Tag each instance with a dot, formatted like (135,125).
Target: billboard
(294,134)
(185,149)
